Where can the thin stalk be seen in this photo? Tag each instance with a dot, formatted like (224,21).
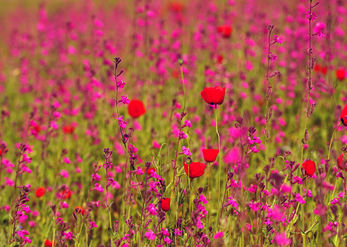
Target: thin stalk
(330,144)
(219,162)
(268,83)
(182,78)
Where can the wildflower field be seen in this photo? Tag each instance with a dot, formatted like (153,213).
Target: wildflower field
(173,123)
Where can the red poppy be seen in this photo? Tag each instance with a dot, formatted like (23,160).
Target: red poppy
(40,192)
(149,170)
(210,155)
(213,95)
(136,108)
(220,59)
(343,116)
(320,69)
(175,73)
(324,70)
(3,149)
(37,128)
(69,129)
(79,210)
(341,74)
(196,169)
(225,30)
(309,167)
(165,204)
(48,243)
(342,162)
(66,194)
(317,68)
(176,7)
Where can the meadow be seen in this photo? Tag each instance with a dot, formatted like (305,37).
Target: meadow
(173,123)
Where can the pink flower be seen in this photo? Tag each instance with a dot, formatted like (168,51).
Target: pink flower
(178,232)
(202,199)
(67,160)
(124,100)
(186,151)
(150,234)
(92,224)
(156,145)
(167,240)
(54,125)
(9,181)
(152,209)
(281,239)
(98,187)
(218,235)
(233,156)
(320,209)
(31,223)
(121,122)
(299,199)
(64,173)
(68,235)
(187,123)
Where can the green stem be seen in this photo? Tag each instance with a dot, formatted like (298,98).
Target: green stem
(219,161)
(331,141)
(184,93)
(304,240)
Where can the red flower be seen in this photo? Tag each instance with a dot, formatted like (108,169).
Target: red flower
(175,73)
(176,7)
(317,68)
(309,167)
(340,74)
(37,128)
(79,210)
(136,108)
(210,155)
(225,30)
(324,70)
(149,170)
(65,194)
(40,192)
(165,204)
(69,129)
(220,59)
(196,169)
(48,243)
(213,95)
(3,149)
(341,162)
(320,69)
(343,116)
